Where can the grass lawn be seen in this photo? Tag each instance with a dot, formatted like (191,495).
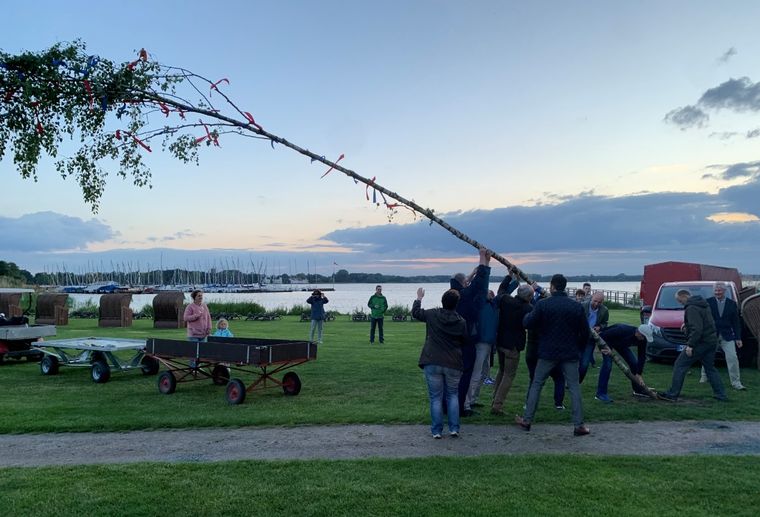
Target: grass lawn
(495,485)
(351,382)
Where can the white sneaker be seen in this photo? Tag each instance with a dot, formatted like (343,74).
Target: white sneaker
(739,387)
(437,436)
(702,380)
(454,434)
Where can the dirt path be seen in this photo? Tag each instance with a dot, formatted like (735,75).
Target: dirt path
(373,441)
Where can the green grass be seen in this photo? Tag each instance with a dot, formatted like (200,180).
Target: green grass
(351,382)
(493,485)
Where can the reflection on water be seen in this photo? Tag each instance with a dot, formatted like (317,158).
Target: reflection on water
(344,299)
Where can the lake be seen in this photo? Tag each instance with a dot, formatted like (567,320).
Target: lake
(345,298)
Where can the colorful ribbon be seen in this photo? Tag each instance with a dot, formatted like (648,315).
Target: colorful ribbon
(331,168)
(252,122)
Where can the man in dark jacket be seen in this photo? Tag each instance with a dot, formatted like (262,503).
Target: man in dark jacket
(620,337)
(701,343)
(317,300)
(510,341)
(725,313)
(562,330)
(472,290)
(441,358)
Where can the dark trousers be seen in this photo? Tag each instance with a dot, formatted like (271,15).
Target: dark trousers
(556,374)
(372,323)
(706,356)
(468,362)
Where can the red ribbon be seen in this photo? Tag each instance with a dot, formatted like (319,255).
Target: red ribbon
(208,136)
(164,108)
(89,92)
(331,168)
(223,80)
(253,122)
(143,144)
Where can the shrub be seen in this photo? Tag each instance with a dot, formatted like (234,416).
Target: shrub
(399,310)
(241,308)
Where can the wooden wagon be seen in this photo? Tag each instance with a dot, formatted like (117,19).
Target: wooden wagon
(217,359)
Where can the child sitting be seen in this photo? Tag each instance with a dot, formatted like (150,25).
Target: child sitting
(223,328)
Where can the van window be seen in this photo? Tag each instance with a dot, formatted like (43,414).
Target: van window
(667,298)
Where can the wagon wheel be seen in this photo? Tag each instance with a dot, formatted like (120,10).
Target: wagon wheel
(49,365)
(149,365)
(220,375)
(291,384)
(167,383)
(235,392)
(100,371)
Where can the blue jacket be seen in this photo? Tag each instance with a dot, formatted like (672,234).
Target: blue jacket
(488,322)
(223,333)
(729,326)
(471,300)
(561,325)
(317,306)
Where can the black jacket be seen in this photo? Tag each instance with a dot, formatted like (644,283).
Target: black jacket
(471,300)
(700,327)
(445,335)
(561,325)
(511,333)
(729,325)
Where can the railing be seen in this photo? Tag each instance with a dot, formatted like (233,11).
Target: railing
(627,298)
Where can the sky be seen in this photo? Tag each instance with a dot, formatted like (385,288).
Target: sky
(575,137)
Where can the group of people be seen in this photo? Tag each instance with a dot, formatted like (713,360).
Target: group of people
(559,335)
(198,320)
(377,304)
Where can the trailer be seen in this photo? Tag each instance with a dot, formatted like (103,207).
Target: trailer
(218,358)
(99,354)
(16,340)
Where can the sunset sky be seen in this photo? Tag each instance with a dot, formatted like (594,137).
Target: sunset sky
(575,137)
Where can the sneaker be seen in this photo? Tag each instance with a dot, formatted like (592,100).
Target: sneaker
(382,341)
(603,397)
(581,431)
(667,396)
(522,423)
(739,387)
(454,434)
(702,380)
(437,436)
(488,381)
(640,394)
(559,406)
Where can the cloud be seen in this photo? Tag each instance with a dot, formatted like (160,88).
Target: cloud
(738,95)
(735,170)
(654,224)
(51,231)
(728,54)
(723,135)
(753,133)
(176,236)
(687,117)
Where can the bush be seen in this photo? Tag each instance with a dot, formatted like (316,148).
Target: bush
(241,308)
(295,310)
(399,310)
(87,310)
(146,311)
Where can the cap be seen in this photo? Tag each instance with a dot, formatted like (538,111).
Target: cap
(646,331)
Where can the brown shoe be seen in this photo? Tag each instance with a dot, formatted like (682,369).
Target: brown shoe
(581,430)
(522,423)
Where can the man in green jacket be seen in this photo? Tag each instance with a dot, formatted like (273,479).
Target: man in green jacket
(378,305)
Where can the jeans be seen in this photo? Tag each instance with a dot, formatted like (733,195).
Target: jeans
(680,368)
(732,363)
(508,361)
(439,380)
(586,358)
(556,374)
(197,339)
(316,324)
(379,323)
(543,369)
(606,370)
(479,372)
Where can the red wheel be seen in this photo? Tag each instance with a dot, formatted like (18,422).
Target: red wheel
(291,384)
(167,383)
(235,392)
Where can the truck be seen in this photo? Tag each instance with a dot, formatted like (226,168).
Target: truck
(666,320)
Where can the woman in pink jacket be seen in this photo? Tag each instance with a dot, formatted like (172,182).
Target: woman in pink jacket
(198,318)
